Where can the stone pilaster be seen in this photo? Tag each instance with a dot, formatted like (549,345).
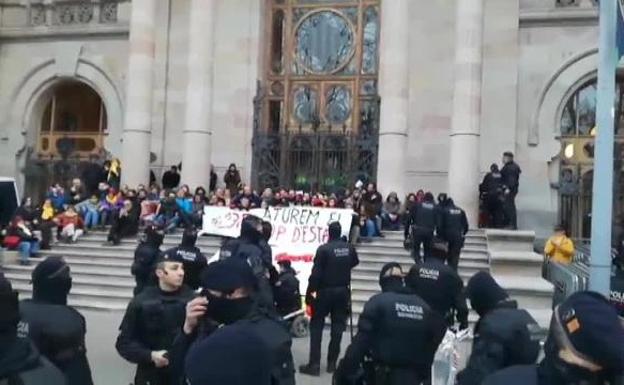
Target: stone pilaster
(464,172)
(394,93)
(138,119)
(197,127)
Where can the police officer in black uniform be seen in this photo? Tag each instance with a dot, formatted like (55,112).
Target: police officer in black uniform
(423,220)
(440,286)
(20,361)
(329,294)
(145,257)
(252,247)
(152,321)
(491,190)
(398,332)
(56,329)
(504,336)
(511,183)
(585,345)
(227,299)
(453,229)
(193,259)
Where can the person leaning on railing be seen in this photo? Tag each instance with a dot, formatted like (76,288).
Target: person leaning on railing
(559,247)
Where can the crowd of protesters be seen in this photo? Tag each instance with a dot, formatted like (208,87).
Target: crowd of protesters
(96,201)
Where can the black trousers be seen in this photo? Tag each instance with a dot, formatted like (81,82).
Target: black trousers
(509,209)
(495,211)
(455,245)
(424,237)
(335,303)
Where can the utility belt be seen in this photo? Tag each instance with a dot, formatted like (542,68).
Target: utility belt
(376,373)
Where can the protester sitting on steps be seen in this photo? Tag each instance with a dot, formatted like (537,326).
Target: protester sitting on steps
(26,242)
(71,225)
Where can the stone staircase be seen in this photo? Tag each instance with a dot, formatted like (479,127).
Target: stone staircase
(102,280)
(101,274)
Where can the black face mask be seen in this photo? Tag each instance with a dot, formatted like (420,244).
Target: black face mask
(227,311)
(392,284)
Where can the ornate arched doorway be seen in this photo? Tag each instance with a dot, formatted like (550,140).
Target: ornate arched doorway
(577,132)
(71,133)
(317,111)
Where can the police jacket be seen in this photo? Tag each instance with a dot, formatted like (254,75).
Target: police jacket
(511,176)
(270,329)
(399,331)
(145,257)
(286,293)
(332,266)
(151,323)
(58,332)
(454,223)
(424,216)
(194,263)
(492,184)
(440,286)
(505,336)
(250,250)
(21,363)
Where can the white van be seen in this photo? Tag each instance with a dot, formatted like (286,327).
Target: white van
(9,199)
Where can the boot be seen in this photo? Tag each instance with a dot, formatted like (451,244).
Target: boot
(310,370)
(331,367)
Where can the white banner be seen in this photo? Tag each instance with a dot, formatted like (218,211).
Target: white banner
(297,231)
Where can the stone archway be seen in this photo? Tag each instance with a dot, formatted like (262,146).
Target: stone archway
(31,93)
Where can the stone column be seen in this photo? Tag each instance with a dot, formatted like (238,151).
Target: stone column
(197,131)
(135,158)
(394,93)
(464,164)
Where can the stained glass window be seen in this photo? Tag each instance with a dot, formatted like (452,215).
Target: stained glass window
(322,64)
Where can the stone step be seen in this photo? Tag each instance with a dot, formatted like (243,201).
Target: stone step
(125,249)
(85,299)
(95,262)
(170,242)
(79,280)
(83,270)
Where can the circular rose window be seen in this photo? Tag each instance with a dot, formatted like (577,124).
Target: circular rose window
(324,42)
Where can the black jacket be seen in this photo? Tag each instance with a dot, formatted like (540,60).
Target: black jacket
(151,323)
(441,287)
(492,184)
(59,333)
(21,363)
(170,179)
(270,329)
(516,375)
(145,257)
(504,337)
(399,331)
(424,216)
(454,223)
(194,263)
(286,293)
(511,176)
(332,266)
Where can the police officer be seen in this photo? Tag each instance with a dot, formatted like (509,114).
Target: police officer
(228,299)
(491,190)
(20,361)
(233,355)
(145,257)
(398,331)
(453,229)
(585,345)
(152,321)
(511,183)
(440,286)
(193,259)
(252,247)
(422,221)
(504,335)
(56,329)
(329,294)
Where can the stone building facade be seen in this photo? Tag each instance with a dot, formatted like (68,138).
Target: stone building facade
(427,94)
